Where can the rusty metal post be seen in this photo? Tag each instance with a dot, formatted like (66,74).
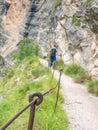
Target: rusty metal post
(32,109)
(31,118)
(58,90)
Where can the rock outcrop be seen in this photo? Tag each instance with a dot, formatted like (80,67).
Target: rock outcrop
(15,11)
(92,18)
(3,36)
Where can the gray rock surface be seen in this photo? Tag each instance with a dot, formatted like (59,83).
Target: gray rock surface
(92,15)
(2,31)
(71,24)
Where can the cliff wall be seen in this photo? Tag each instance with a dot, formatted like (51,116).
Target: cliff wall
(71,24)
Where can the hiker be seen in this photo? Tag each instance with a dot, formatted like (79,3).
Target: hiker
(52,56)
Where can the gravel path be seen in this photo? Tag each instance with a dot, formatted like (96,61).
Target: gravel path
(81,107)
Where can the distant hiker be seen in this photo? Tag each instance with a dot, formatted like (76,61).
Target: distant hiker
(52,56)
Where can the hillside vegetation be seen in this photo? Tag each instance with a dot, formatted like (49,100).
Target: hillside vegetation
(79,75)
(17,82)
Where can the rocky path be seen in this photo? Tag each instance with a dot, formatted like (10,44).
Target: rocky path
(81,107)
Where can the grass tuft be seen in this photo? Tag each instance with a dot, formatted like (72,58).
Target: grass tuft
(56,4)
(26,48)
(74,70)
(93,86)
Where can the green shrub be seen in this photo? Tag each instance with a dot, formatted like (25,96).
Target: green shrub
(38,71)
(8,72)
(74,70)
(58,64)
(26,48)
(76,21)
(93,86)
(87,3)
(56,4)
(3,71)
(83,78)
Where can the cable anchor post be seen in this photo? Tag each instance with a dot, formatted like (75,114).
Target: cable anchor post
(57,96)
(37,102)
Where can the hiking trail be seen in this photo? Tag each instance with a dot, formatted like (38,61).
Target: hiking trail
(81,107)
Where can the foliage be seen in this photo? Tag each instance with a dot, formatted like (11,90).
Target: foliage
(16,87)
(0,58)
(75,71)
(79,75)
(26,48)
(87,3)
(83,78)
(4,113)
(93,86)
(59,64)
(66,17)
(56,4)
(38,72)
(76,21)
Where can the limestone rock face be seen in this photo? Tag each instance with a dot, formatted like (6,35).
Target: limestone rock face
(2,31)
(71,24)
(92,16)
(15,11)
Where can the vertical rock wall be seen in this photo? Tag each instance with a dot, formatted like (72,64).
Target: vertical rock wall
(92,18)
(71,24)
(64,23)
(2,16)
(13,22)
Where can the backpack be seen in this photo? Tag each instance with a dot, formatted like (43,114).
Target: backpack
(53,52)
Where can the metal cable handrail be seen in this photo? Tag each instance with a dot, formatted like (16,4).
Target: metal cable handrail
(33,102)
